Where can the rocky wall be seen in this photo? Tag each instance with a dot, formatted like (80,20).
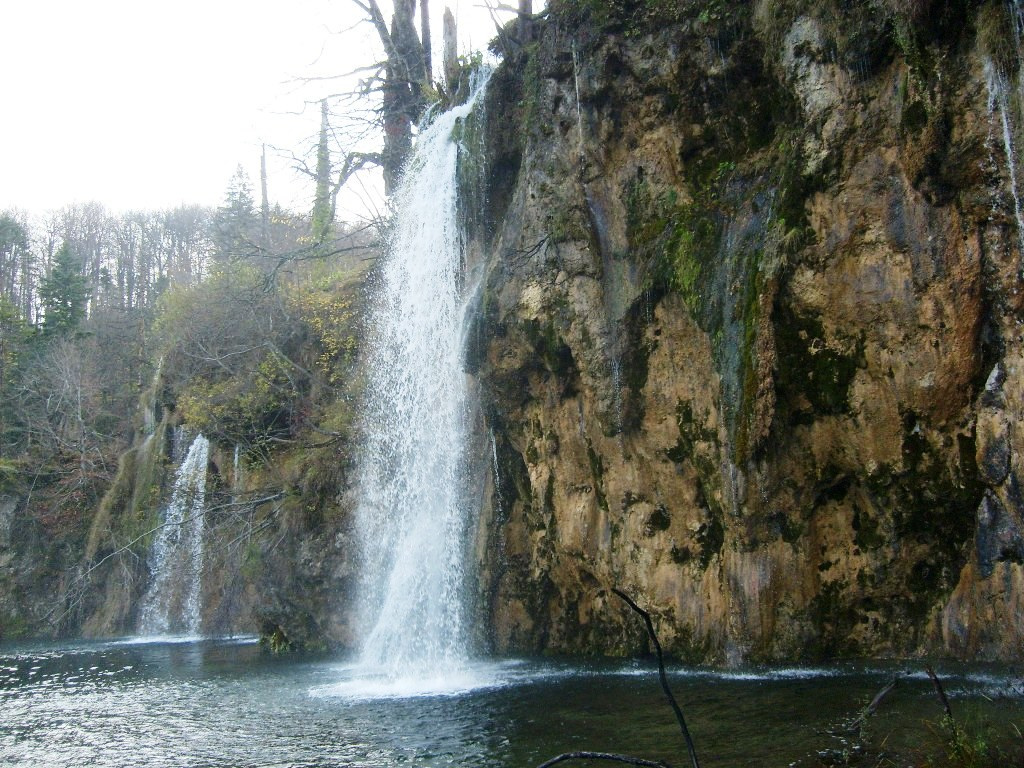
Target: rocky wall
(749,342)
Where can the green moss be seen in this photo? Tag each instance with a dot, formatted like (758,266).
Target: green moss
(678,239)
(532,84)
(791,532)
(566,223)
(532,455)
(751,316)
(690,650)
(914,117)
(13,627)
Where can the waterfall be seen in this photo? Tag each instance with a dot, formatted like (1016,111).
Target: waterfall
(999,101)
(497,473)
(173,602)
(414,516)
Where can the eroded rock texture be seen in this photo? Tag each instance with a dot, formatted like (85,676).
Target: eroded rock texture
(749,341)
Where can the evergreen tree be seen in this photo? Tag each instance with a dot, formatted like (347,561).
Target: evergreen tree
(64,293)
(12,337)
(322,214)
(236,225)
(15,263)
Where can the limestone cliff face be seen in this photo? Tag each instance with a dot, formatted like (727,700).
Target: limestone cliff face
(749,342)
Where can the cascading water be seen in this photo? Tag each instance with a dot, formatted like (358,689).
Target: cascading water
(413,516)
(999,101)
(173,602)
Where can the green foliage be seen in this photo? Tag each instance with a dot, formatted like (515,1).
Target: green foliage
(63,293)
(973,743)
(639,16)
(250,361)
(250,410)
(276,641)
(331,316)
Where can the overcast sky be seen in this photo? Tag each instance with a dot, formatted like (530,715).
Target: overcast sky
(138,104)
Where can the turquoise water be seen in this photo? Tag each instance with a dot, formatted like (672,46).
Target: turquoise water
(226,703)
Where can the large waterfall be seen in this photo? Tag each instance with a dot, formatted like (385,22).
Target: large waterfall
(413,516)
(173,601)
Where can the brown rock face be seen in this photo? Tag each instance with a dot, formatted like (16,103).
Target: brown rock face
(749,339)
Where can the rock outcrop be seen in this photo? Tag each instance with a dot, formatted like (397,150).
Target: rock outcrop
(749,344)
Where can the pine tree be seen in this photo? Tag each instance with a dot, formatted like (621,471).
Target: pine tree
(236,225)
(322,214)
(64,293)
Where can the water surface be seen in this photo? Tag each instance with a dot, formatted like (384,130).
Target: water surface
(186,702)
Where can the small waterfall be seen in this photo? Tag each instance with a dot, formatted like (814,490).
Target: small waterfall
(999,101)
(413,515)
(173,602)
(497,473)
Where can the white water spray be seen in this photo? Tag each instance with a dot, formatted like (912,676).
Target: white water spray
(173,602)
(497,473)
(413,516)
(999,101)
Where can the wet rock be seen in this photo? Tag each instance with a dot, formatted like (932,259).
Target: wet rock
(993,445)
(998,537)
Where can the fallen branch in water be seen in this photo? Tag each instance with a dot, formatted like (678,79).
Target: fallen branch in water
(939,690)
(604,756)
(869,710)
(661,674)
(627,759)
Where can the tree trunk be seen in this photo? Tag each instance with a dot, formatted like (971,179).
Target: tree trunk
(322,213)
(450,53)
(405,78)
(264,201)
(525,21)
(428,63)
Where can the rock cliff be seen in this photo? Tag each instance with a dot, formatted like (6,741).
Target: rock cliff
(749,341)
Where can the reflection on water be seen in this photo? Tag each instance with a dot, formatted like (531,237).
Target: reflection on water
(178,702)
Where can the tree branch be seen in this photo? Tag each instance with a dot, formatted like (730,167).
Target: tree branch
(661,673)
(603,756)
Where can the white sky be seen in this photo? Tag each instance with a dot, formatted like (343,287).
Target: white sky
(139,104)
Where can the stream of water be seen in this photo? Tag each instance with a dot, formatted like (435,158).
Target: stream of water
(413,516)
(173,601)
(227,704)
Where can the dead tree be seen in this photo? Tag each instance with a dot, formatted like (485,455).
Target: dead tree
(406,78)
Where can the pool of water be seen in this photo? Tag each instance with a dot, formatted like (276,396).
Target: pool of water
(226,703)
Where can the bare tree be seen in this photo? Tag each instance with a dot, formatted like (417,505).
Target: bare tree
(406,80)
